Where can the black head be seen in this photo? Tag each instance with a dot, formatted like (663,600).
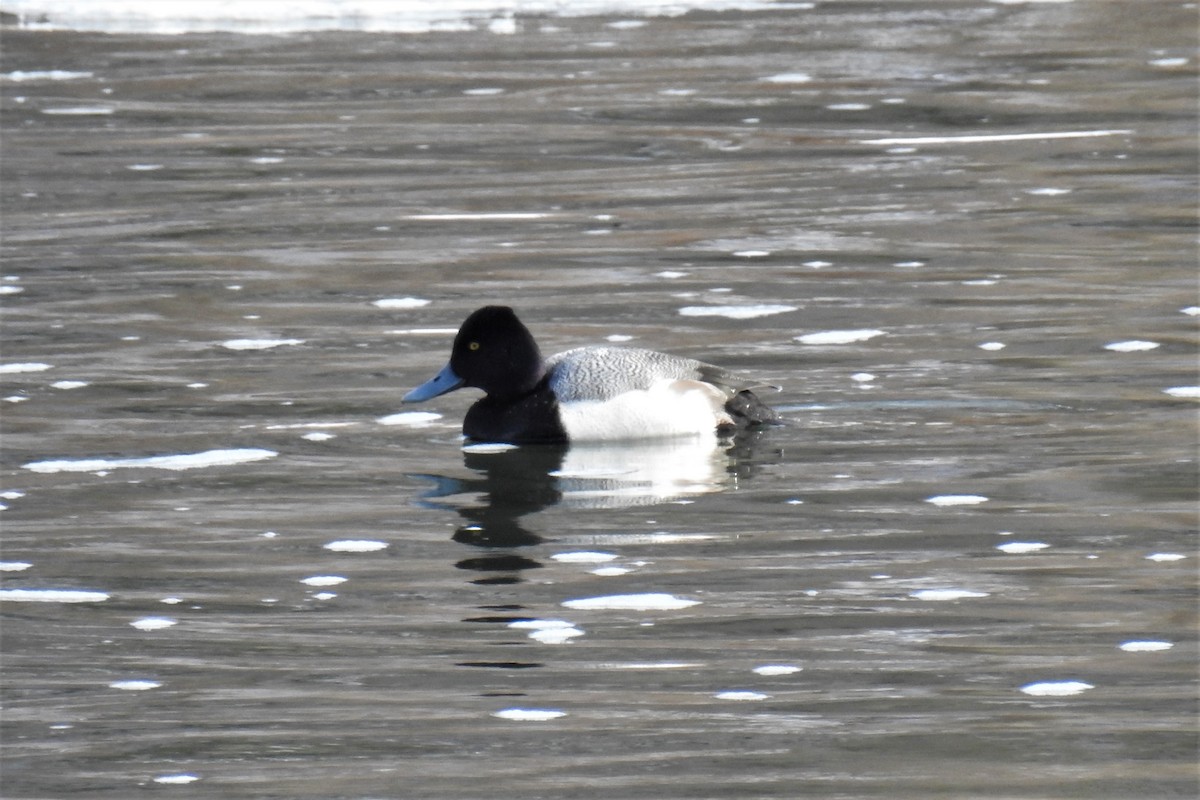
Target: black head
(495,352)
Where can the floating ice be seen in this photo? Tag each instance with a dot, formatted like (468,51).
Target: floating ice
(1047,191)
(817,264)
(484,91)
(424,331)
(735,312)
(208,458)
(68,384)
(11,289)
(992,346)
(14,566)
(862,377)
(144,167)
(1021,547)
(323,580)
(1132,346)
(956,499)
(401,302)
(631,602)
(849,107)
(909,264)
(1168,62)
(494,215)
(1165,557)
(584,557)
(266,160)
(529,714)
(1191,311)
(610,572)
(259,344)
(618,337)
(134,686)
(52,596)
(1146,646)
(317,436)
(355,546)
(414,419)
(179,779)
(839,337)
(1056,688)
(751,253)
(489,447)
(25,366)
(153,623)
(776,669)
(945,594)
(79,111)
(1183,391)
(741,695)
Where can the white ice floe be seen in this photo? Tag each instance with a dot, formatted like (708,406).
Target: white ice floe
(182,461)
(1047,191)
(153,623)
(7,289)
(741,695)
(992,346)
(1183,391)
(942,595)
(775,669)
(1131,346)
(1191,311)
(789,77)
(862,377)
(488,447)
(997,137)
(751,253)
(1146,646)
(1056,688)
(670,274)
(413,419)
(735,312)
(323,580)
(839,337)
(651,601)
(491,215)
(401,302)
(317,436)
(21,76)
(956,499)
(52,596)
(80,111)
(259,344)
(355,546)
(134,685)
(1021,547)
(68,385)
(14,566)
(529,714)
(24,366)
(610,572)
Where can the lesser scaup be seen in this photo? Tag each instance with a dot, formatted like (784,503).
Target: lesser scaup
(586,394)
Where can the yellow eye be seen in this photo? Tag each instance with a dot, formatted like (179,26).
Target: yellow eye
(473,346)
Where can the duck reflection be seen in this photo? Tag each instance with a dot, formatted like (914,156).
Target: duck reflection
(508,483)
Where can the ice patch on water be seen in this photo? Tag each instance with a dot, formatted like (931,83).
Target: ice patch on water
(610,572)
(956,499)
(153,623)
(489,447)
(14,566)
(79,111)
(775,669)
(11,289)
(651,601)
(849,107)
(1168,62)
(1047,191)
(840,337)
(735,312)
(134,685)
(413,419)
(992,346)
(618,337)
(1146,646)
(208,458)
(548,631)
(751,253)
(942,595)
(24,366)
(789,77)
(52,596)
(1131,346)
(1021,547)
(259,344)
(670,274)
(741,695)
(355,546)
(1183,391)
(317,436)
(401,302)
(492,215)
(1056,688)
(1191,311)
(68,385)
(529,714)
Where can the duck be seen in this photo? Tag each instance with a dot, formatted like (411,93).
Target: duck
(588,394)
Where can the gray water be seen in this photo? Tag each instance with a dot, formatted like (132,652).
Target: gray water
(970,554)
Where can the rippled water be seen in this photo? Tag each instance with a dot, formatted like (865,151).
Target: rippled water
(961,237)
